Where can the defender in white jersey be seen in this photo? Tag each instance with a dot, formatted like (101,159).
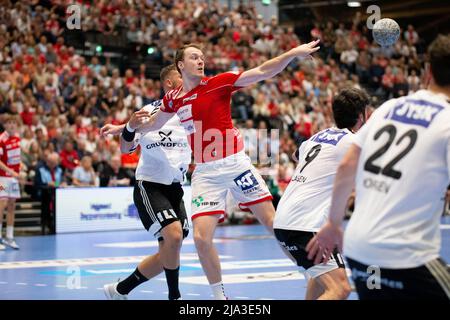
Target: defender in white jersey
(304,206)
(158,195)
(400,163)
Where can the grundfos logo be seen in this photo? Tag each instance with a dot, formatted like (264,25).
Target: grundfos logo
(166,144)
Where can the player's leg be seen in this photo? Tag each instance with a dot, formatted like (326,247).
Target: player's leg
(151,266)
(208,209)
(10,217)
(159,217)
(335,285)
(265,212)
(313,290)
(204,227)
(170,256)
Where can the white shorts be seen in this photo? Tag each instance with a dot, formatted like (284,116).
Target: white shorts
(235,174)
(9,188)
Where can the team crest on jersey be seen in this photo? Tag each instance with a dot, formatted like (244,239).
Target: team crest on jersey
(193,97)
(170,104)
(418,112)
(247,182)
(203,82)
(329,136)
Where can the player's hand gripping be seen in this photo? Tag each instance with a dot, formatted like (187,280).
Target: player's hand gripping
(139,118)
(323,244)
(111,129)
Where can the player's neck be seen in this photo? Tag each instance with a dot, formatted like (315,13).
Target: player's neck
(190,82)
(439,89)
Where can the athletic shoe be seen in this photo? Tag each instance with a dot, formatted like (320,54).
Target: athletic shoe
(111,293)
(11,243)
(2,247)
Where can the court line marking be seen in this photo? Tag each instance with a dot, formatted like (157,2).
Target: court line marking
(87,261)
(147,244)
(248,277)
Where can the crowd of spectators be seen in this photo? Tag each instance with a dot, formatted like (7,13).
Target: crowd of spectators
(64,97)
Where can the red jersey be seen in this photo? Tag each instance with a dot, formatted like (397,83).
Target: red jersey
(205,114)
(10,152)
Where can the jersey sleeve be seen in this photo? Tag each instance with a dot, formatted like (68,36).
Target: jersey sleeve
(344,145)
(137,139)
(167,102)
(227,79)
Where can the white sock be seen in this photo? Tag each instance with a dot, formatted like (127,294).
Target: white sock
(218,291)
(9,232)
(1,230)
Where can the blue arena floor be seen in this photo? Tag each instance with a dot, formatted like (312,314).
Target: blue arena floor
(76,266)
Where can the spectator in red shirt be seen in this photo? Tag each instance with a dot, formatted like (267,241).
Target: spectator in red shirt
(69,156)
(27,114)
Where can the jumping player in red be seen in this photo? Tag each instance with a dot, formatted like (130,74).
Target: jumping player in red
(203,106)
(9,178)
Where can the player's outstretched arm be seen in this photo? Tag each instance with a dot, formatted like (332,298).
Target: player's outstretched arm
(155,122)
(111,129)
(329,237)
(274,66)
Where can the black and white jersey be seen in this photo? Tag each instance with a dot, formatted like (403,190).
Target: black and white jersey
(402,176)
(165,153)
(306,201)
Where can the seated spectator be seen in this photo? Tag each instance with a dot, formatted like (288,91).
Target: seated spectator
(49,176)
(69,156)
(113,175)
(84,175)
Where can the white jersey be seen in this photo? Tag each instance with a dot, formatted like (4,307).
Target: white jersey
(165,153)
(305,204)
(402,176)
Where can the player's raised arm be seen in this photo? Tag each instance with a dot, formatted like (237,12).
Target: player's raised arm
(155,122)
(274,66)
(111,129)
(129,131)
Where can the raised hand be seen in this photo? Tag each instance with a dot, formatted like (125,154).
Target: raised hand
(139,118)
(111,129)
(305,50)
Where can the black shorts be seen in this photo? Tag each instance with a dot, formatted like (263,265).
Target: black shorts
(159,205)
(295,242)
(430,281)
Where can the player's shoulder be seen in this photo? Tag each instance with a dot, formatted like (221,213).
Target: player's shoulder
(153,106)
(171,94)
(221,78)
(420,108)
(332,136)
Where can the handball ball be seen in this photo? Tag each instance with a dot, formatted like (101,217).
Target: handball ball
(386,32)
